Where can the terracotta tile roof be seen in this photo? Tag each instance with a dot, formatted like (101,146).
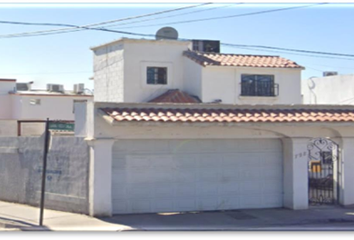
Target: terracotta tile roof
(224,115)
(175,96)
(239,60)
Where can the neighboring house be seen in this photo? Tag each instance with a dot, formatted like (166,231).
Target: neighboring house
(20,102)
(139,70)
(335,89)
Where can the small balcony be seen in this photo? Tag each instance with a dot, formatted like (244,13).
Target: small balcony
(259,89)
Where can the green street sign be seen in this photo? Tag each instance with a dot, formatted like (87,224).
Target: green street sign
(61,126)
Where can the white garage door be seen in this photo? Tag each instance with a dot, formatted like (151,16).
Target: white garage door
(196,175)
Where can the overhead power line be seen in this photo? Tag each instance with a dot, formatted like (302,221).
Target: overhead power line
(224,17)
(70,27)
(174,15)
(289,49)
(254,47)
(291,53)
(28,34)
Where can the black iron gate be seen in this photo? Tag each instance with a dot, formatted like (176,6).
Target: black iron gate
(323,169)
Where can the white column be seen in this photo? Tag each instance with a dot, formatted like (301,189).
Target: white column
(100,177)
(347,186)
(295,183)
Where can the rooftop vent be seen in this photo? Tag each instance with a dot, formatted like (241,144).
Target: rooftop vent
(211,46)
(327,74)
(55,88)
(79,88)
(23,86)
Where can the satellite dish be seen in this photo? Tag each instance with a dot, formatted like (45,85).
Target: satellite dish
(167,33)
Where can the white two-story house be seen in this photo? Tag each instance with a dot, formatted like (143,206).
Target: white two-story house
(176,127)
(140,70)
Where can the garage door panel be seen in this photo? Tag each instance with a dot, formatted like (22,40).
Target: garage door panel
(271,159)
(142,205)
(186,190)
(185,204)
(185,161)
(209,160)
(190,175)
(250,173)
(272,200)
(251,187)
(120,206)
(140,190)
(163,190)
(230,174)
(186,176)
(228,202)
(250,201)
(230,187)
(228,160)
(207,189)
(163,205)
(208,203)
(272,186)
(272,173)
(138,161)
(208,174)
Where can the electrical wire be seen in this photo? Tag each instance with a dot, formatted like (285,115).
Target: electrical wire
(224,17)
(291,50)
(71,27)
(174,15)
(103,29)
(277,51)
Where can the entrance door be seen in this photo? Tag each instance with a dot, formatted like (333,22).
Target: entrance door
(323,168)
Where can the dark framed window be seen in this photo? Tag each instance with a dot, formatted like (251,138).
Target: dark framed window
(258,85)
(156,75)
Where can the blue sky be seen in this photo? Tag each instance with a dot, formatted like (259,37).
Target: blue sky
(67,59)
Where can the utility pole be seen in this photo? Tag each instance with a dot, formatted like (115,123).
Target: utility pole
(46,145)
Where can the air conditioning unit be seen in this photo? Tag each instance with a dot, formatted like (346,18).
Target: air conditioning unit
(210,46)
(326,74)
(23,86)
(55,88)
(79,88)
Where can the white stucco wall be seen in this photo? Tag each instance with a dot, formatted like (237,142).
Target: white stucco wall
(120,69)
(52,107)
(225,83)
(329,90)
(192,78)
(140,54)
(5,100)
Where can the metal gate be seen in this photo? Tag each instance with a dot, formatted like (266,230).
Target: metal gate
(323,171)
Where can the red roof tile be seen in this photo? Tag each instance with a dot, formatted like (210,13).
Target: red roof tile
(229,115)
(175,96)
(239,60)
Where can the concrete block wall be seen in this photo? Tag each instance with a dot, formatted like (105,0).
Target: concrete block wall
(67,172)
(109,73)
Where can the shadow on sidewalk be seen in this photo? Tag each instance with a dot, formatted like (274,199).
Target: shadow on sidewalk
(24,226)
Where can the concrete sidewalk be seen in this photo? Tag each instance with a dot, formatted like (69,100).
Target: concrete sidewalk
(25,218)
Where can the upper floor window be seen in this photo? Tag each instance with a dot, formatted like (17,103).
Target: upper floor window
(258,85)
(156,75)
